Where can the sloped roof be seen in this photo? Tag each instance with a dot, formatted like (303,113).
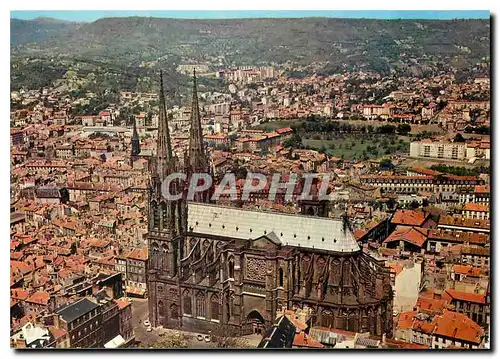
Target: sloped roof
(464,296)
(409,217)
(458,326)
(292,230)
(77,309)
(411,235)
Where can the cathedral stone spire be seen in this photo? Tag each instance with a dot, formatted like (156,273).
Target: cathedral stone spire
(164,157)
(136,149)
(197,156)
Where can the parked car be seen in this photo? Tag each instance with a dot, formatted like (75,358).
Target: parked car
(207,338)
(199,337)
(147,323)
(150,329)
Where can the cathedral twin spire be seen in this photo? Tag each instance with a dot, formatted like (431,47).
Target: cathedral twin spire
(196,160)
(164,156)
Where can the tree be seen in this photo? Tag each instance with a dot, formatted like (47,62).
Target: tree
(403,129)
(386,164)
(386,129)
(459,138)
(295,141)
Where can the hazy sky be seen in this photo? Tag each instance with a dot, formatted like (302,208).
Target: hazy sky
(87,15)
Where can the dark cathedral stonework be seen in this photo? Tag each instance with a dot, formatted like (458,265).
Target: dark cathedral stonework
(211,265)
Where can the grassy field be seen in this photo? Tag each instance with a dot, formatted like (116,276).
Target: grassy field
(352,147)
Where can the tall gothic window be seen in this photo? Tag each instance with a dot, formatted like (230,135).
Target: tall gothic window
(163,257)
(161,309)
(154,254)
(186,299)
(155,215)
(200,305)
(215,307)
(174,312)
(281,276)
(327,319)
(342,320)
(164,215)
(231,267)
(346,276)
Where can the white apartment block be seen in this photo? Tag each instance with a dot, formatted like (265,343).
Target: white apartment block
(429,149)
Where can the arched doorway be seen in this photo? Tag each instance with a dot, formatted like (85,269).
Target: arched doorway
(256,321)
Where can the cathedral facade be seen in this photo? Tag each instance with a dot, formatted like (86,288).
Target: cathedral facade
(212,266)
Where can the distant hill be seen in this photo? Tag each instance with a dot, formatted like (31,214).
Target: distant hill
(39,30)
(373,44)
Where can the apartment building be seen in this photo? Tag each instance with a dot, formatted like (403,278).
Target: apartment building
(429,149)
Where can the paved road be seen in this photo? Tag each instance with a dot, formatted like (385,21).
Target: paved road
(140,313)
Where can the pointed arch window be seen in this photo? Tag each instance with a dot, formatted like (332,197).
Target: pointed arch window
(200,305)
(174,311)
(155,215)
(215,306)
(164,215)
(154,254)
(186,300)
(163,256)
(161,309)
(327,319)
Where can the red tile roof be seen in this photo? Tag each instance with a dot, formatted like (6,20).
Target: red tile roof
(405,319)
(57,332)
(39,298)
(423,327)
(467,270)
(464,222)
(460,237)
(413,235)
(458,326)
(450,294)
(409,217)
(477,207)
(427,304)
(18,293)
(304,340)
(138,254)
(122,303)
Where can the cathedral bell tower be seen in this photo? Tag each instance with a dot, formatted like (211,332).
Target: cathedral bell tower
(167,218)
(196,158)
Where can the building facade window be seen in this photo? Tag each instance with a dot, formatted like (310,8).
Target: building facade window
(174,311)
(215,305)
(200,305)
(186,299)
